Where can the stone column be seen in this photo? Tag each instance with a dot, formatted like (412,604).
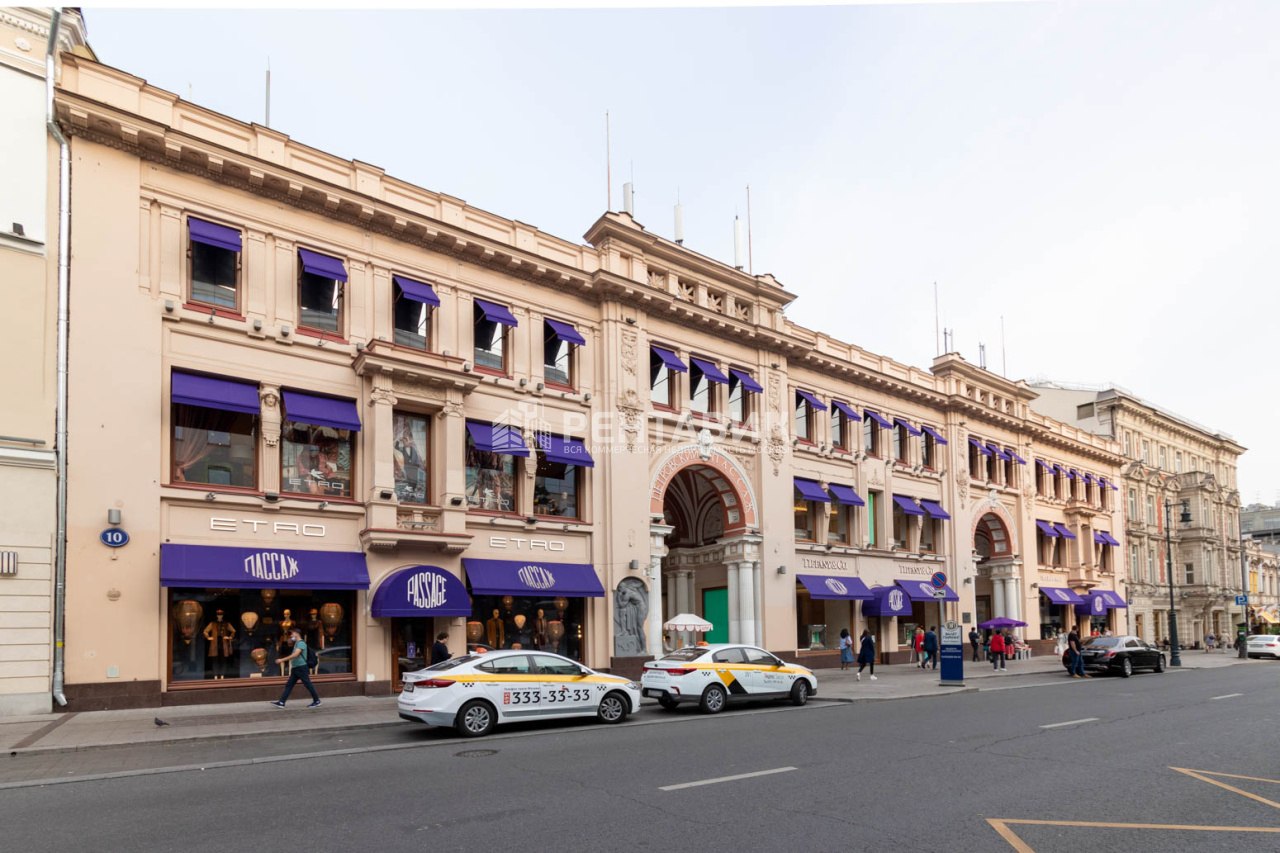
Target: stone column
(671,595)
(735,614)
(997,597)
(747,600)
(1013,599)
(682,602)
(658,534)
(757,578)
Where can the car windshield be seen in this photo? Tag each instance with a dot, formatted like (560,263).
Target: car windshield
(450,664)
(686,654)
(1102,642)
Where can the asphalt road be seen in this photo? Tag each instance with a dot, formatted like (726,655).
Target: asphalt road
(912,775)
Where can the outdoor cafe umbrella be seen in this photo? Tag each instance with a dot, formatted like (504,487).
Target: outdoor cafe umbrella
(688,623)
(1001,622)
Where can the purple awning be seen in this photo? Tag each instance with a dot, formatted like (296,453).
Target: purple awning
(907,426)
(1060,595)
(263,567)
(191,389)
(1093,604)
(846,495)
(937,436)
(747,380)
(1017,458)
(569,451)
(418,291)
(670,359)
(811,491)
(1112,599)
(1071,473)
(919,590)
(875,416)
(982,448)
(1058,469)
(1064,530)
(1110,485)
(322,265)
(495,313)
(1105,538)
(321,411)
(566,332)
(814,402)
(530,578)
(908,505)
(1088,478)
(934,509)
(497,438)
(1047,529)
(212,234)
(886,601)
(710,371)
(846,410)
(420,591)
(835,588)
(1000,452)
(1045,465)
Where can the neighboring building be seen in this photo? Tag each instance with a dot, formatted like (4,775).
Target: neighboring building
(321,396)
(1262,563)
(1261,523)
(28,350)
(1171,460)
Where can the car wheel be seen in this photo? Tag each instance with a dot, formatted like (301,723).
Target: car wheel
(800,692)
(1126,668)
(713,699)
(475,719)
(1160,664)
(667,703)
(613,708)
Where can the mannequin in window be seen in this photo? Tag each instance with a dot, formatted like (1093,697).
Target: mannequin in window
(286,625)
(220,635)
(496,633)
(540,631)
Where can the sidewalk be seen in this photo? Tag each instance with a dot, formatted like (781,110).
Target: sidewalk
(55,733)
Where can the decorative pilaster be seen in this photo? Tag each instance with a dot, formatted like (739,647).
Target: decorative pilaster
(658,534)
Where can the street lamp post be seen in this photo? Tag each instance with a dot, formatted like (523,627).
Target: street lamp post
(1175,659)
(1243,651)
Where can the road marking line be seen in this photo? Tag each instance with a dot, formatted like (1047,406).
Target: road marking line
(1070,723)
(726,779)
(1203,775)
(1227,696)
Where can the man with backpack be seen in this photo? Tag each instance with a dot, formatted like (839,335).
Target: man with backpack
(302,660)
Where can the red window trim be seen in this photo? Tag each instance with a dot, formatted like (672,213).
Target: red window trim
(490,371)
(319,498)
(556,386)
(663,407)
(219,490)
(215,310)
(320,333)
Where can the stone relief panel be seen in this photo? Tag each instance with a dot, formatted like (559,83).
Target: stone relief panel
(630,610)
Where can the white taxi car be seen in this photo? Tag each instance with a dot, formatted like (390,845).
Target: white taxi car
(473,693)
(714,675)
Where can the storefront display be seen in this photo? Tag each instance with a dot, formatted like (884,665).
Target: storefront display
(1055,610)
(420,601)
(409,453)
(527,605)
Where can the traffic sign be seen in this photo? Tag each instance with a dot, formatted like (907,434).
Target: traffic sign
(939,579)
(940,594)
(1242,600)
(114,537)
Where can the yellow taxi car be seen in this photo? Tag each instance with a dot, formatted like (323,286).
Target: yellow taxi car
(715,675)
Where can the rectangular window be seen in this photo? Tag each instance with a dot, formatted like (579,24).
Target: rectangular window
(900,443)
(1151,509)
(700,391)
(870,437)
(738,408)
(409,456)
(316,460)
(1104,559)
(839,427)
(661,380)
(873,519)
(559,344)
(490,479)
(805,518)
(1133,504)
(1135,563)
(928,535)
(412,320)
(1151,566)
(901,528)
(992,467)
(1189,573)
(215,271)
(555,489)
(928,449)
(1177,462)
(490,341)
(1146,451)
(320,290)
(1161,458)
(838,524)
(1128,441)
(1008,472)
(214,447)
(803,419)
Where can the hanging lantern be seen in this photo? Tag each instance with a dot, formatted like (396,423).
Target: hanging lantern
(187,614)
(555,630)
(475,630)
(508,602)
(260,659)
(562,604)
(249,620)
(331,618)
(520,620)
(268,596)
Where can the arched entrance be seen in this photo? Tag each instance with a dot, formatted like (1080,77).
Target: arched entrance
(997,588)
(704,546)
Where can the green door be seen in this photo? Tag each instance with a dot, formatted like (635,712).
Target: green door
(715,609)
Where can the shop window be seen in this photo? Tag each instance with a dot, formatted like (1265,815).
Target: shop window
(490,479)
(870,437)
(409,452)
(490,341)
(320,301)
(900,443)
(901,528)
(553,624)
(557,355)
(803,420)
(700,391)
(214,447)
(555,488)
(739,406)
(661,381)
(873,519)
(316,460)
(806,514)
(838,524)
(928,451)
(215,275)
(412,321)
(219,635)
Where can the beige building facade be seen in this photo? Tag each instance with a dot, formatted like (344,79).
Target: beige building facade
(1171,465)
(28,348)
(320,396)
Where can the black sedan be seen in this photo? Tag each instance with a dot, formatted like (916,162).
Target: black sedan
(1117,655)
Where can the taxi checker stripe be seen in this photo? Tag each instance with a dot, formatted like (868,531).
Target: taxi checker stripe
(524,677)
(734,685)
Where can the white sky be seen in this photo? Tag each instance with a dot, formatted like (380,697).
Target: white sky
(1102,175)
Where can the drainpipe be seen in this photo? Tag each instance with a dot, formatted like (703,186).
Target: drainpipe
(64,282)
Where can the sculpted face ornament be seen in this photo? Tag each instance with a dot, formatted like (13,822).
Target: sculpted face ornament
(836,586)
(536,577)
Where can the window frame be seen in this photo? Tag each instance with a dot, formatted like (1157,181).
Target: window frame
(571,359)
(218,487)
(352,454)
(839,513)
(901,444)
(516,489)
(744,398)
(340,290)
(839,427)
(811,516)
(663,371)
(478,317)
(426,455)
(875,500)
(900,517)
(428,336)
(191,273)
(870,437)
(705,388)
(577,489)
(802,405)
(928,450)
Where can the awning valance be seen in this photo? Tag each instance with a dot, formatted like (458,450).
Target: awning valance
(907,426)
(710,371)
(420,591)
(495,313)
(886,601)
(934,509)
(908,505)
(497,438)
(322,265)
(811,491)
(747,380)
(846,495)
(321,411)
(1047,528)
(670,359)
(846,410)
(1060,595)
(529,578)
(982,448)
(878,418)
(937,436)
(264,567)
(212,234)
(191,389)
(813,401)
(919,590)
(835,588)
(1000,452)
(1017,458)
(418,291)
(569,451)
(1064,530)
(566,332)
(1102,537)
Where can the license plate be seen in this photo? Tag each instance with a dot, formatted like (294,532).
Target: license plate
(408,687)
(655,694)
(656,674)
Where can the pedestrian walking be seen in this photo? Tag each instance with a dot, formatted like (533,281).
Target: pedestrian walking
(917,645)
(1076,658)
(846,649)
(930,646)
(867,654)
(439,651)
(975,639)
(997,651)
(297,670)
(1208,642)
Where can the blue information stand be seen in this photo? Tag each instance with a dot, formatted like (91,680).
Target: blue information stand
(952,656)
